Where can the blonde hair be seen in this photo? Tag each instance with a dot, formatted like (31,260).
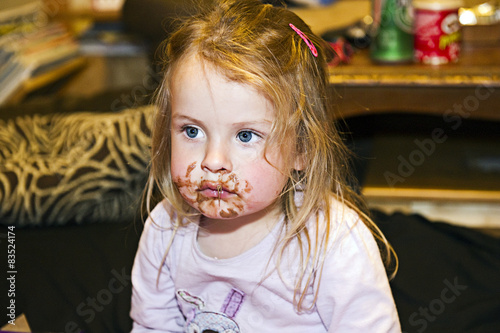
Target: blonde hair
(252,43)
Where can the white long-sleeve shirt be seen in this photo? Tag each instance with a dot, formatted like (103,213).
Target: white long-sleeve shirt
(194,292)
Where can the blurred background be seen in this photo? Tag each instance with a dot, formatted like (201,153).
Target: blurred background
(426,134)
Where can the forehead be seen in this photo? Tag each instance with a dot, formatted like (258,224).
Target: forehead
(198,88)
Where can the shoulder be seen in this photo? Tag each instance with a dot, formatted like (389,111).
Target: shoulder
(346,228)
(337,217)
(160,236)
(342,214)
(161,223)
(354,292)
(162,215)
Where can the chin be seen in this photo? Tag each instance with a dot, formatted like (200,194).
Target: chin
(213,212)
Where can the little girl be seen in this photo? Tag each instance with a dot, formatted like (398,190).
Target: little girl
(258,230)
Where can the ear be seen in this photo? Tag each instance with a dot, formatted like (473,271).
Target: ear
(299,162)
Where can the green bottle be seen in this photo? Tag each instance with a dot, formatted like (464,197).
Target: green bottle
(392,40)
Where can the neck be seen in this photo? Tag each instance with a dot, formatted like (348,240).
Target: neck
(263,219)
(226,238)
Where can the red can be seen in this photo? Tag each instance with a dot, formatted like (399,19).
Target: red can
(437,32)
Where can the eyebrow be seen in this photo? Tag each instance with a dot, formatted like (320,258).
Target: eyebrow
(238,124)
(183,117)
(250,123)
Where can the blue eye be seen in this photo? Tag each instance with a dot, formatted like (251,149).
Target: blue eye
(191,132)
(245,136)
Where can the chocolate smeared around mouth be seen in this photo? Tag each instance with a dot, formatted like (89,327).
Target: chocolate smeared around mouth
(230,213)
(191,191)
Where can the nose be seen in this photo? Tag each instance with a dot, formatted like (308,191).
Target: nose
(217,158)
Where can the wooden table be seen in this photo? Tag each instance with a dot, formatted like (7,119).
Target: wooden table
(469,88)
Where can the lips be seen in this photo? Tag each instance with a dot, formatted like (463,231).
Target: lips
(215,190)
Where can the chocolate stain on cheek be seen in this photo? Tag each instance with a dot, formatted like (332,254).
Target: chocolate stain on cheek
(190,169)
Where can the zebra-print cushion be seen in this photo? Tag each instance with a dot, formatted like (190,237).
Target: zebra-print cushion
(73,168)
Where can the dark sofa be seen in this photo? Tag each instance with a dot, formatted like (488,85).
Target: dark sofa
(70,183)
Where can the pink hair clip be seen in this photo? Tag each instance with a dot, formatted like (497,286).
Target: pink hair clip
(305,39)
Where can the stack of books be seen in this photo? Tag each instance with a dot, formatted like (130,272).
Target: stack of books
(33,50)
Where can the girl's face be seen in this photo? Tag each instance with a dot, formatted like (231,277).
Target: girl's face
(219,130)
